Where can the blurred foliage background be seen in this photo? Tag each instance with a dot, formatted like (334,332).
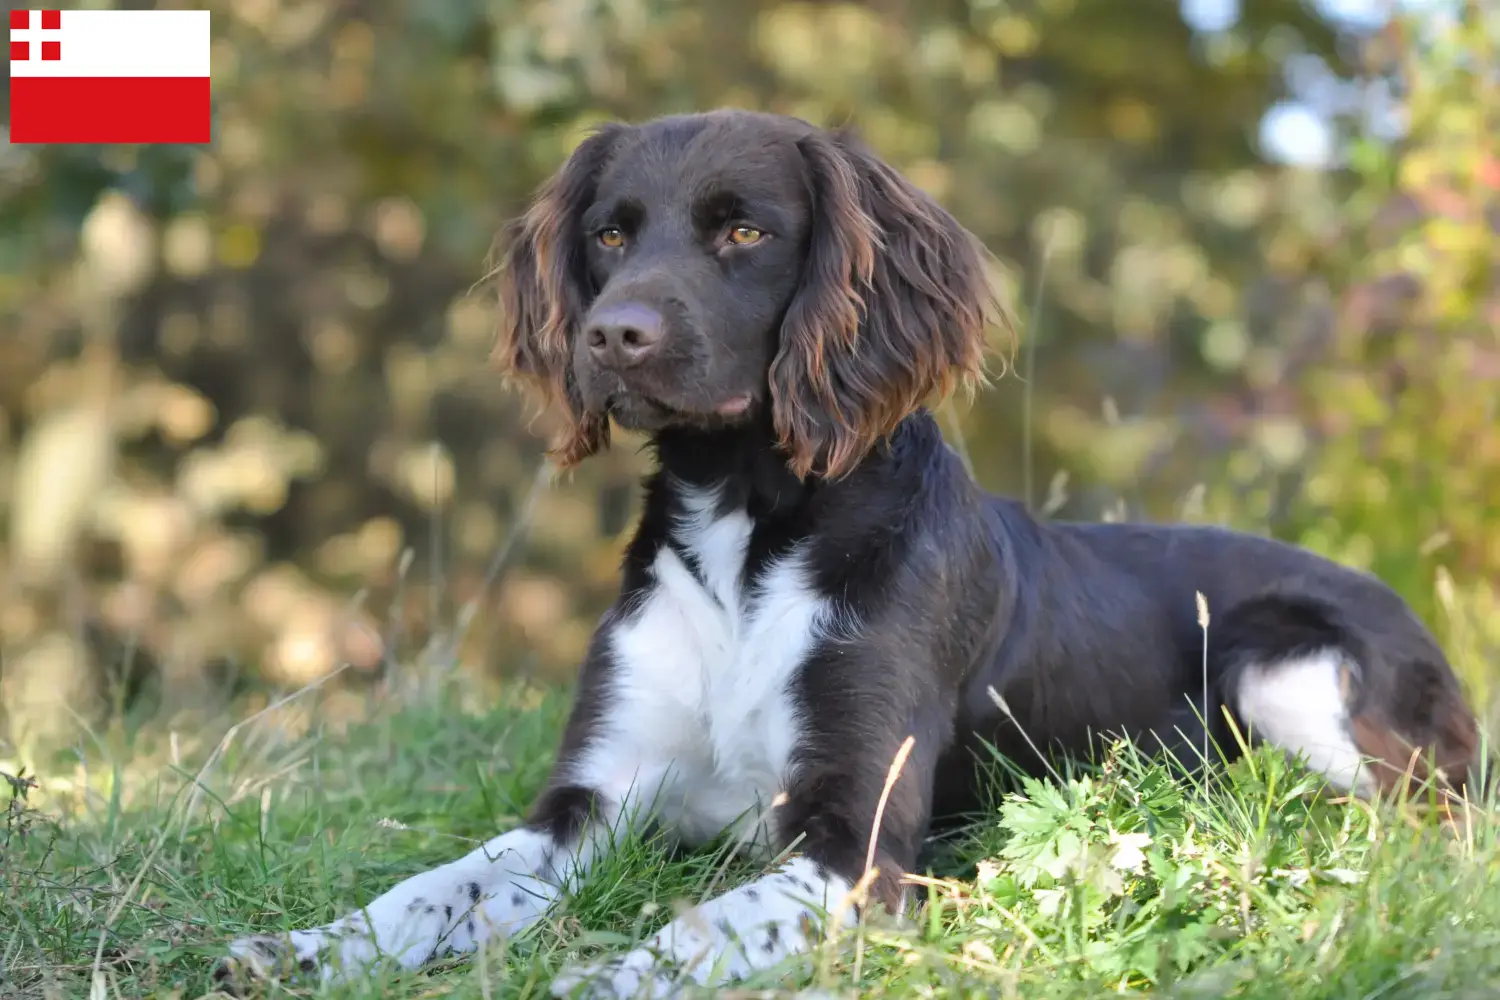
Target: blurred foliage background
(248,432)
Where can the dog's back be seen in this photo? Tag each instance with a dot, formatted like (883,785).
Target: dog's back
(1109,632)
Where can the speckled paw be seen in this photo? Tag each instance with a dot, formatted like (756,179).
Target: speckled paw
(263,957)
(636,975)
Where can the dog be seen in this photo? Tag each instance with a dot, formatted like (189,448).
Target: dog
(816,585)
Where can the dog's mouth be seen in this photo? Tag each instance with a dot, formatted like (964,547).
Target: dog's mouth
(735,406)
(647,412)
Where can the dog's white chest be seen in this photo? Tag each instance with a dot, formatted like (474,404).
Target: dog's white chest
(703,671)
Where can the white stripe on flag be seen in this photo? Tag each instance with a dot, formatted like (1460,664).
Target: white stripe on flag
(105,43)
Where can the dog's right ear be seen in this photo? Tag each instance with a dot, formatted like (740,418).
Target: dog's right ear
(545,292)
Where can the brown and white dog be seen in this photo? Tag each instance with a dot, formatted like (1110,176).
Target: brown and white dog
(815,578)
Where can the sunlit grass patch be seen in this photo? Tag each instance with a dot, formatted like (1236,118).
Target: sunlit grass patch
(1126,875)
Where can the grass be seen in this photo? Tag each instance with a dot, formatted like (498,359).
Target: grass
(123,877)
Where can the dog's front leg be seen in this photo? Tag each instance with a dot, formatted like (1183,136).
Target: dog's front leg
(829,815)
(498,889)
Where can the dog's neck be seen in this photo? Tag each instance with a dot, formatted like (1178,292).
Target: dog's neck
(909,481)
(750,470)
(744,463)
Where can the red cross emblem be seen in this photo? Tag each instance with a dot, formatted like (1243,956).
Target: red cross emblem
(50,20)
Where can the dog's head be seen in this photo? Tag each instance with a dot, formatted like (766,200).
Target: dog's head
(697,270)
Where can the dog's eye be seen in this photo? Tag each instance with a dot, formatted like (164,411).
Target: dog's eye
(743,236)
(612,237)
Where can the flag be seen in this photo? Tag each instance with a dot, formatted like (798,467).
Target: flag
(109,76)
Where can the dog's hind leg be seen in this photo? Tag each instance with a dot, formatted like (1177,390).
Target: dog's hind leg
(1300,703)
(1367,707)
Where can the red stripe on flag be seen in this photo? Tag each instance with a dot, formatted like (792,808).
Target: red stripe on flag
(109,109)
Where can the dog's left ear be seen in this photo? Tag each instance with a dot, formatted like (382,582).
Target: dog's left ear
(892,309)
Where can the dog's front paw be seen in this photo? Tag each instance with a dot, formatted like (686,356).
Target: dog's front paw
(636,975)
(320,955)
(297,955)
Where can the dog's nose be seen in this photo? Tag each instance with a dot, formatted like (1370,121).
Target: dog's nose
(623,336)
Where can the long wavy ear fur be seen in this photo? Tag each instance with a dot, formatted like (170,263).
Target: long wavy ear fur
(545,292)
(892,309)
